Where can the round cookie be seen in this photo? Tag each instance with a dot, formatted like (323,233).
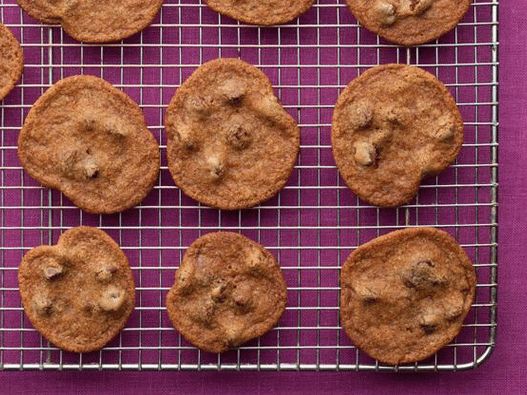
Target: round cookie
(258,12)
(95,21)
(11,61)
(405,295)
(90,141)
(79,293)
(393,126)
(230,144)
(409,22)
(228,290)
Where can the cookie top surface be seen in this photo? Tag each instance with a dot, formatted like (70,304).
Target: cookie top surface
(258,12)
(393,126)
(11,61)
(79,293)
(228,290)
(230,144)
(409,22)
(405,295)
(95,21)
(90,141)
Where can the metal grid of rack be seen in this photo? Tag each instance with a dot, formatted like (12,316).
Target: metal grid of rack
(311,226)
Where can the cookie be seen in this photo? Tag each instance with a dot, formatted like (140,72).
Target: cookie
(228,290)
(230,144)
(95,21)
(393,126)
(409,22)
(405,295)
(11,61)
(258,12)
(79,293)
(90,141)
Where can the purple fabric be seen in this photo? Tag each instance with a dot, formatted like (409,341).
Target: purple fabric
(504,372)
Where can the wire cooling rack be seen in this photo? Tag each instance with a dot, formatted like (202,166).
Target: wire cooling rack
(311,226)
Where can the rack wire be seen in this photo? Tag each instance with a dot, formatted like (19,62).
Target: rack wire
(311,226)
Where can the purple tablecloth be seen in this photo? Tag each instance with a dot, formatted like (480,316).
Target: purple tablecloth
(504,372)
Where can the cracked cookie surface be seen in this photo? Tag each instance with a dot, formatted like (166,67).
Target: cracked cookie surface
(90,141)
(393,126)
(405,295)
(230,144)
(409,22)
(227,291)
(258,12)
(95,21)
(79,293)
(11,61)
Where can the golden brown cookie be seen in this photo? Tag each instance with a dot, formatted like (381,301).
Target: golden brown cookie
(90,141)
(258,12)
(230,144)
(95,21)
(79,293)
(393,126)
(11,61)
(405,295)
(228,291)
(409,22)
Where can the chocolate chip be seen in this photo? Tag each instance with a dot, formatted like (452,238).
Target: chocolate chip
(422,275)
(428,329)
(238,137)
(369,300)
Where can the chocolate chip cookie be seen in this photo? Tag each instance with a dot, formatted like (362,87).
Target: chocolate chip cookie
(230,144)
(95,21)
(405,295)
(11,61)
(79,293)
(409,22)
(258,12)
(90,141)
(228,290)
(393,126)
